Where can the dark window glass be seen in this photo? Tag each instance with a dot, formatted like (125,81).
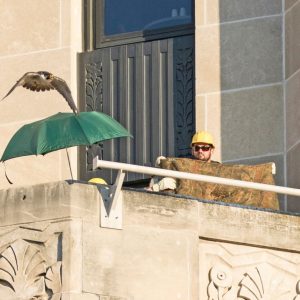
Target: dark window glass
(123,16)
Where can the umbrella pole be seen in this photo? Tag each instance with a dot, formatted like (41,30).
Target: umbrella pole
(6,174)
(69,163)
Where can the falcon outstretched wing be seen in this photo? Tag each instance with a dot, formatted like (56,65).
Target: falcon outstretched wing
(33,81)
(45,81)
(61,86)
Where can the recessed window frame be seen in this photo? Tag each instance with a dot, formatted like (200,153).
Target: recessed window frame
(94,31)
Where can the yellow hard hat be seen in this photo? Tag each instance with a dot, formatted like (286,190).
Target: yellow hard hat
(97,180)
(203,137)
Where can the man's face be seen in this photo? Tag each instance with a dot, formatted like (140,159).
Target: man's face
(202,151)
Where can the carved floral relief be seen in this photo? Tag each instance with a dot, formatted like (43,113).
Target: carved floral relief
(259,283)
(184,99)
(94,89)
(25,274)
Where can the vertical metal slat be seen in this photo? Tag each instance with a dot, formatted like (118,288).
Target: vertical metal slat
(149,88)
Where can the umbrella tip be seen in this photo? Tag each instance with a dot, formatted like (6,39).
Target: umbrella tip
(9,181)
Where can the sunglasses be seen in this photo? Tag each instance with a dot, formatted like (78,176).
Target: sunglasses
(204,148)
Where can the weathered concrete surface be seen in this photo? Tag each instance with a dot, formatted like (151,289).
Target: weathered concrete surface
(168,248)
(49,201)
(155,256)
(249,226)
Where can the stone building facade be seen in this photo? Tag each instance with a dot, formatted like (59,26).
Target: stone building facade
(53,247)
(246,75)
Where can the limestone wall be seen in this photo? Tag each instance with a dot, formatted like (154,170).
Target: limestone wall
(53,247)
(36,35)
(292,91)
(239,80)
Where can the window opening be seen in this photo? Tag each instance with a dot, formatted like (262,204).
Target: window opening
(125,16)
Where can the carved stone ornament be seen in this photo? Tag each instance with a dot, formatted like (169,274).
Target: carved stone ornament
(257,284)
(94,102)
(25,275)
(184,100)
(94,89)
(220,286)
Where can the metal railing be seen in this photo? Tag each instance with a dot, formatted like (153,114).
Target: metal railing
(197,177)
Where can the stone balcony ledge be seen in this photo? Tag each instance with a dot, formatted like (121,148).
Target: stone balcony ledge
(169,247)
(81,200)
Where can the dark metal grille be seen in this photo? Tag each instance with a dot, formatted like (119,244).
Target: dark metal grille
(149,88)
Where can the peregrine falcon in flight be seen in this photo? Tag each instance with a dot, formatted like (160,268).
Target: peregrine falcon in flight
(45,81)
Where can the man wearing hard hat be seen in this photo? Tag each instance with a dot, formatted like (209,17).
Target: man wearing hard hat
(202,148)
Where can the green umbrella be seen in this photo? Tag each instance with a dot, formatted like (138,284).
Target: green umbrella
(61,131)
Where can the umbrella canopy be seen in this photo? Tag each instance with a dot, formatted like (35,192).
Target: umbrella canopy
(61,131)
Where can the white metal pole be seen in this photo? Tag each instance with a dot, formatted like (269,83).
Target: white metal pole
(196,177)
